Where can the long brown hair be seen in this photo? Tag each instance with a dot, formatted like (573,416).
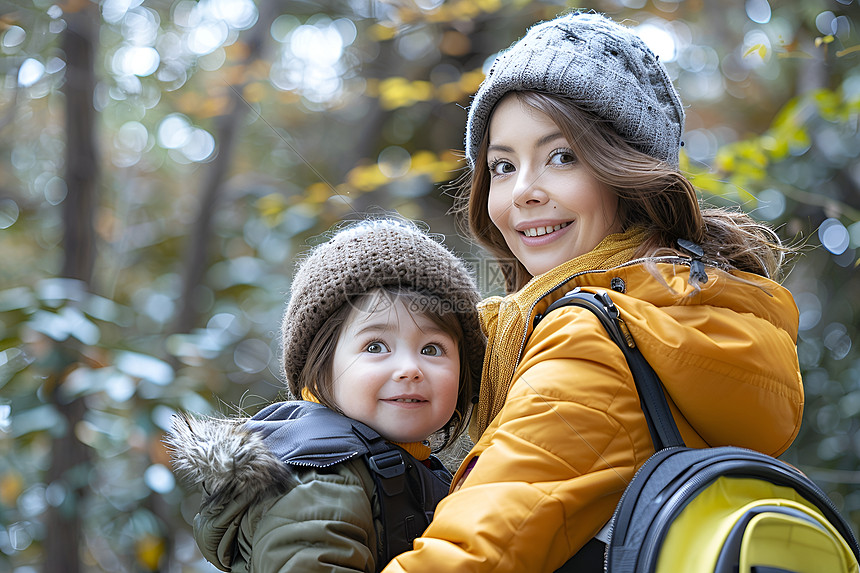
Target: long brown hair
(651,194)
(316,377)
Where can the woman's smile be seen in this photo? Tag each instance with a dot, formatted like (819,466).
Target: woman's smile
(543,236)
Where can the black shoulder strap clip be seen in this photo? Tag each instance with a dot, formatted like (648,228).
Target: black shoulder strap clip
(384,460)
(388,469)
(661,423)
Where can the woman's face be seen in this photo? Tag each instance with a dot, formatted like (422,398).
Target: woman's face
(547,205)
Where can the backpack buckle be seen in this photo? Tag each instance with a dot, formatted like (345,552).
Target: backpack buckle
(387,464)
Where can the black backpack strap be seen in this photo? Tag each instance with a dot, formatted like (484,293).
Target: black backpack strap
(388,468)
(661,424)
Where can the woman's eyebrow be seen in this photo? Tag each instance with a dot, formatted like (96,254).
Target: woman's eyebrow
(542,141)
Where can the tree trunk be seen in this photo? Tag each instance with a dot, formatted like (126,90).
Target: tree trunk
(197,254)
(69,457)
(81,163)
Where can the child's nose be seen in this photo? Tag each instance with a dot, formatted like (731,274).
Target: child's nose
(409,372)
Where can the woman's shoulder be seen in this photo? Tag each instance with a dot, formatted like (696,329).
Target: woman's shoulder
(733,336)
(657,298)
(664,282)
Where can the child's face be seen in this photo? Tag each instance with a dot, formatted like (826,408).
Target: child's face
(395,370)
(547,205)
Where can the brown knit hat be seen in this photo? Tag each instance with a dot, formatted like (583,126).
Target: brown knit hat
(371,254)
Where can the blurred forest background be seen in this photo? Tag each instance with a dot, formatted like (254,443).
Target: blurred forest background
(163,162)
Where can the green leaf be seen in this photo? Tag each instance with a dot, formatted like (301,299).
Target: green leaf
(17,299)
(144,366)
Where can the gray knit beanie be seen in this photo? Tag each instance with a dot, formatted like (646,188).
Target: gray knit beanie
(603,67)
(371,254)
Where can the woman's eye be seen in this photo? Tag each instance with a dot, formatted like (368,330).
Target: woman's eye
(376,347)
(562,157)
(501,167)
(432,350)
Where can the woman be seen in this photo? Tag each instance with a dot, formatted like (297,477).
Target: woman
(573,142)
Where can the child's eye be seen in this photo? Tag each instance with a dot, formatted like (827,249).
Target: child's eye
(376,347)
(501,167)
(562,157)
(433,350)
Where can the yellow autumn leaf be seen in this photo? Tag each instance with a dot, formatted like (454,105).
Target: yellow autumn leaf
(455,43)
(724,161)
(410,210)
(149,550)
(260,69)
(795,54)
(449,92)
(74,6)
(421,159)
(421,91)
(708,183)
(366,177)
(237,51)
(465,10)
(744,195)
(234,75)
(752,153)
(489,5)
(759,49)
(393,93)
(399,92)
(777,146)
(471,81)
(201,105)
(287,97)
(271,208)
(749,172)
(427,163)
(800,140)
(213,107)
(684,162)
(254,92)
(380,32)
(318,192)
(829,103)
(847,51)
(11,486)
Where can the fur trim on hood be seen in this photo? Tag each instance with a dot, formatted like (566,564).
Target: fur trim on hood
(223,457)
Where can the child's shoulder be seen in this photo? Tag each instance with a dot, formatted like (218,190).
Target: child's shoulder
(306,434)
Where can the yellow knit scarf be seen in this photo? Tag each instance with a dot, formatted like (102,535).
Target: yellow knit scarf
(418,450)
(505,320)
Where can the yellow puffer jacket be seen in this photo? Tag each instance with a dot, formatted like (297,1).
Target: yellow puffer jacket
(548,471)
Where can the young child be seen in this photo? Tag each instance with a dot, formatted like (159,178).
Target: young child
(572,143)
(380,335)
